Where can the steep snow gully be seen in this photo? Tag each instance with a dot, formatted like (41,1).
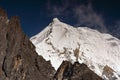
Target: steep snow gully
(99,51)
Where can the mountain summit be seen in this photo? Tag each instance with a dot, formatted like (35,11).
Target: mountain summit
(56,20)
(60,42)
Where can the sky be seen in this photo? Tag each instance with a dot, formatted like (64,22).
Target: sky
(35,15)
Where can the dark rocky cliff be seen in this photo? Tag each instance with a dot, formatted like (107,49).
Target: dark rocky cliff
(19,60)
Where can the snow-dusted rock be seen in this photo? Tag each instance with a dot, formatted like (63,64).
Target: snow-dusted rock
(60,41)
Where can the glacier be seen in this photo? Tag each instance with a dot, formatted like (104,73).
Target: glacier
(60,41)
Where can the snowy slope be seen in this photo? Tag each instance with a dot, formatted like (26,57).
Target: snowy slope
(59,41)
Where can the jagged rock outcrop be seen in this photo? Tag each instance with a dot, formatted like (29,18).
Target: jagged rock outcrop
(109,72)
(18,59)
(76,71)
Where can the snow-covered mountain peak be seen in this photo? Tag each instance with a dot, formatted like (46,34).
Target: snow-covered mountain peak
(55,26)
(60,41)
(56,20)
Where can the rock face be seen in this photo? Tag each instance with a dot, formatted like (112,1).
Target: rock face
(18,59)
(76,71)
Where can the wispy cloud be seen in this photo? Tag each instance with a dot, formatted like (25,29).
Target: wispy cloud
(83,15)
(57,10)
(86,15)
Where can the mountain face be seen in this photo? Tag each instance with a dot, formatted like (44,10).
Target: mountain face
(18,58)
(81,46)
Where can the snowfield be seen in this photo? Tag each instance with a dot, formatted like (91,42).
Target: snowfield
(99,51)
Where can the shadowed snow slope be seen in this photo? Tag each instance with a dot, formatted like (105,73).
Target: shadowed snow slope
(100,52)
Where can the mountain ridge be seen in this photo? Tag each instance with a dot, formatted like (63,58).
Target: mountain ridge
(64,42)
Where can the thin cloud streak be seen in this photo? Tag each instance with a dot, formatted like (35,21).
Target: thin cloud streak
(57,10)
(85,15)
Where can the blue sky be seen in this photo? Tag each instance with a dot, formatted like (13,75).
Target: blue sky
(36,15)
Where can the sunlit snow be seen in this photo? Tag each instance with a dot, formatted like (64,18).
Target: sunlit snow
(58,42)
